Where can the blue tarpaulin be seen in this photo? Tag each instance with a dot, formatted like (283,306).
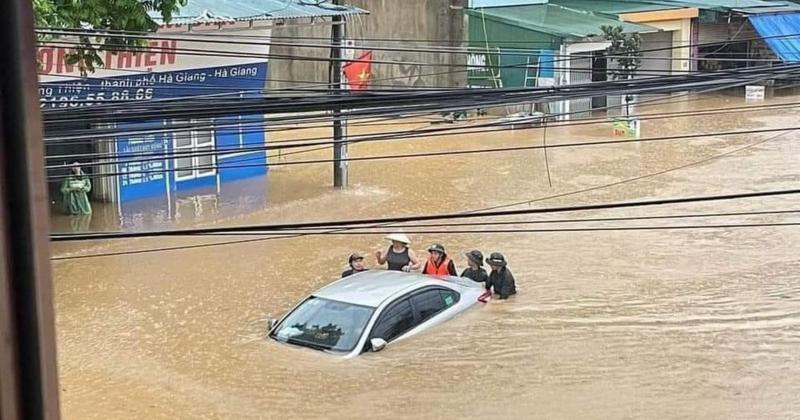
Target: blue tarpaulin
(781,33)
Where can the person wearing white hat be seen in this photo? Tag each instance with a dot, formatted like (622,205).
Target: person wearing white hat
(398,257)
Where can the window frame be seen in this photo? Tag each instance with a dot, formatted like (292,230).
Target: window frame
(417,308)
(195,147)
(415,312)
(440,289)
(382,315)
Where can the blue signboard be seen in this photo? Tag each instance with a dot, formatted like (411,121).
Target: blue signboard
(141,173)
(88,91)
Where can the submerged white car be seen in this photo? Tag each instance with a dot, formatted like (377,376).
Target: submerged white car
(365,311)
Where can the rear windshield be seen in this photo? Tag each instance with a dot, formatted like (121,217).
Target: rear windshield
(324,324)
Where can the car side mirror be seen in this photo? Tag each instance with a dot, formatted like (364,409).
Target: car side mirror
(377,344)
(271,324)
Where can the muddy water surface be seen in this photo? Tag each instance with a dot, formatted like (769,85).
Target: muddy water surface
(607,324)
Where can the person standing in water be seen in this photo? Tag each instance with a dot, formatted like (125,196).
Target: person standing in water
(75,192)
(356,262)
(398,257)
(500,280)
(475,271)
(439,264)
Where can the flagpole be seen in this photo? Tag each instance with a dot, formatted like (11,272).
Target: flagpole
(339,124)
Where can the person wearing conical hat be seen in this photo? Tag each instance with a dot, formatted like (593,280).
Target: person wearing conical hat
(398,257)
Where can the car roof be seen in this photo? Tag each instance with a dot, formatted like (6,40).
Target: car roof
(371,288)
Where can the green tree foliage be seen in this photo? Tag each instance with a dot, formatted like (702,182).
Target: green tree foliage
(625,50)
(97,16)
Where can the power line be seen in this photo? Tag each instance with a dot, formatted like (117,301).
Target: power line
(487,224)
(273,122)
(278,123)
(527,202)
(399,219)
(777,71)
(241,128)
(327,45)
(401,156)
(226,52)
(239,35)
(640,177)
(639,104)
(205,52)
(520,65)
(523,230)
(376,104)
(231,166)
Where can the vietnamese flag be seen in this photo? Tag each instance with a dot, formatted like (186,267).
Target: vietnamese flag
(359,72)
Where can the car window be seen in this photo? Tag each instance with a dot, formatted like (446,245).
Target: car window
(394,321)
(450,297)
(324,324)
(430,302)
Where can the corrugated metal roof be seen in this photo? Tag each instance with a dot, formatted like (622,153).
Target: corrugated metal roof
(612,7)
(769,10)
(556,20)
(731,4)
(218,11)
(741,6)
(474,4)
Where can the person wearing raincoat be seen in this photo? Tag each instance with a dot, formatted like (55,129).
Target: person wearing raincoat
(75,192)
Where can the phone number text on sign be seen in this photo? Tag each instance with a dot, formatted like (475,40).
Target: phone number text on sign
(76,99)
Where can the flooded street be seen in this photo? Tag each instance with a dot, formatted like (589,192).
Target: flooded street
(659,324)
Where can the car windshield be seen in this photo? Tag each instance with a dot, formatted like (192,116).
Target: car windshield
(324,324)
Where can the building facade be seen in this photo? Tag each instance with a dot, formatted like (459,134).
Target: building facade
(207,51)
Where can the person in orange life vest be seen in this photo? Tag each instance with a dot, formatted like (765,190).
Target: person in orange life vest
(439,264)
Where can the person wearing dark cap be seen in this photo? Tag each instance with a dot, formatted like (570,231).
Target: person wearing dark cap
(356,265)
(475,271)
(500,279)
(439,264)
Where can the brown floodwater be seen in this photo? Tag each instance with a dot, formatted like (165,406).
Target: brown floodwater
(607,324)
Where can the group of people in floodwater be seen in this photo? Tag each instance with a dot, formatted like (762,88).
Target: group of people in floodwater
(400,257)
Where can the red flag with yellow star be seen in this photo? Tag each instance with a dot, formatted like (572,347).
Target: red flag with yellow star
(359,72)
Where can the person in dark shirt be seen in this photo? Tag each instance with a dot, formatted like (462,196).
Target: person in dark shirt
(500,280)
(475,271)
(356,265)
(399,257)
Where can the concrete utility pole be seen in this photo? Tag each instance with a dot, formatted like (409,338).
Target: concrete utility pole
(28,373)
(339,125)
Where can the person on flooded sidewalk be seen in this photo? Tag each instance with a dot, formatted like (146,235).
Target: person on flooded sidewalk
(439,264)
(399,257)
(356,263)
(75,192)
(500,279)
(475,271)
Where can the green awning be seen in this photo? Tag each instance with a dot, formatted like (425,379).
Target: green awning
(740,6)
(555,20)
(615,7)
